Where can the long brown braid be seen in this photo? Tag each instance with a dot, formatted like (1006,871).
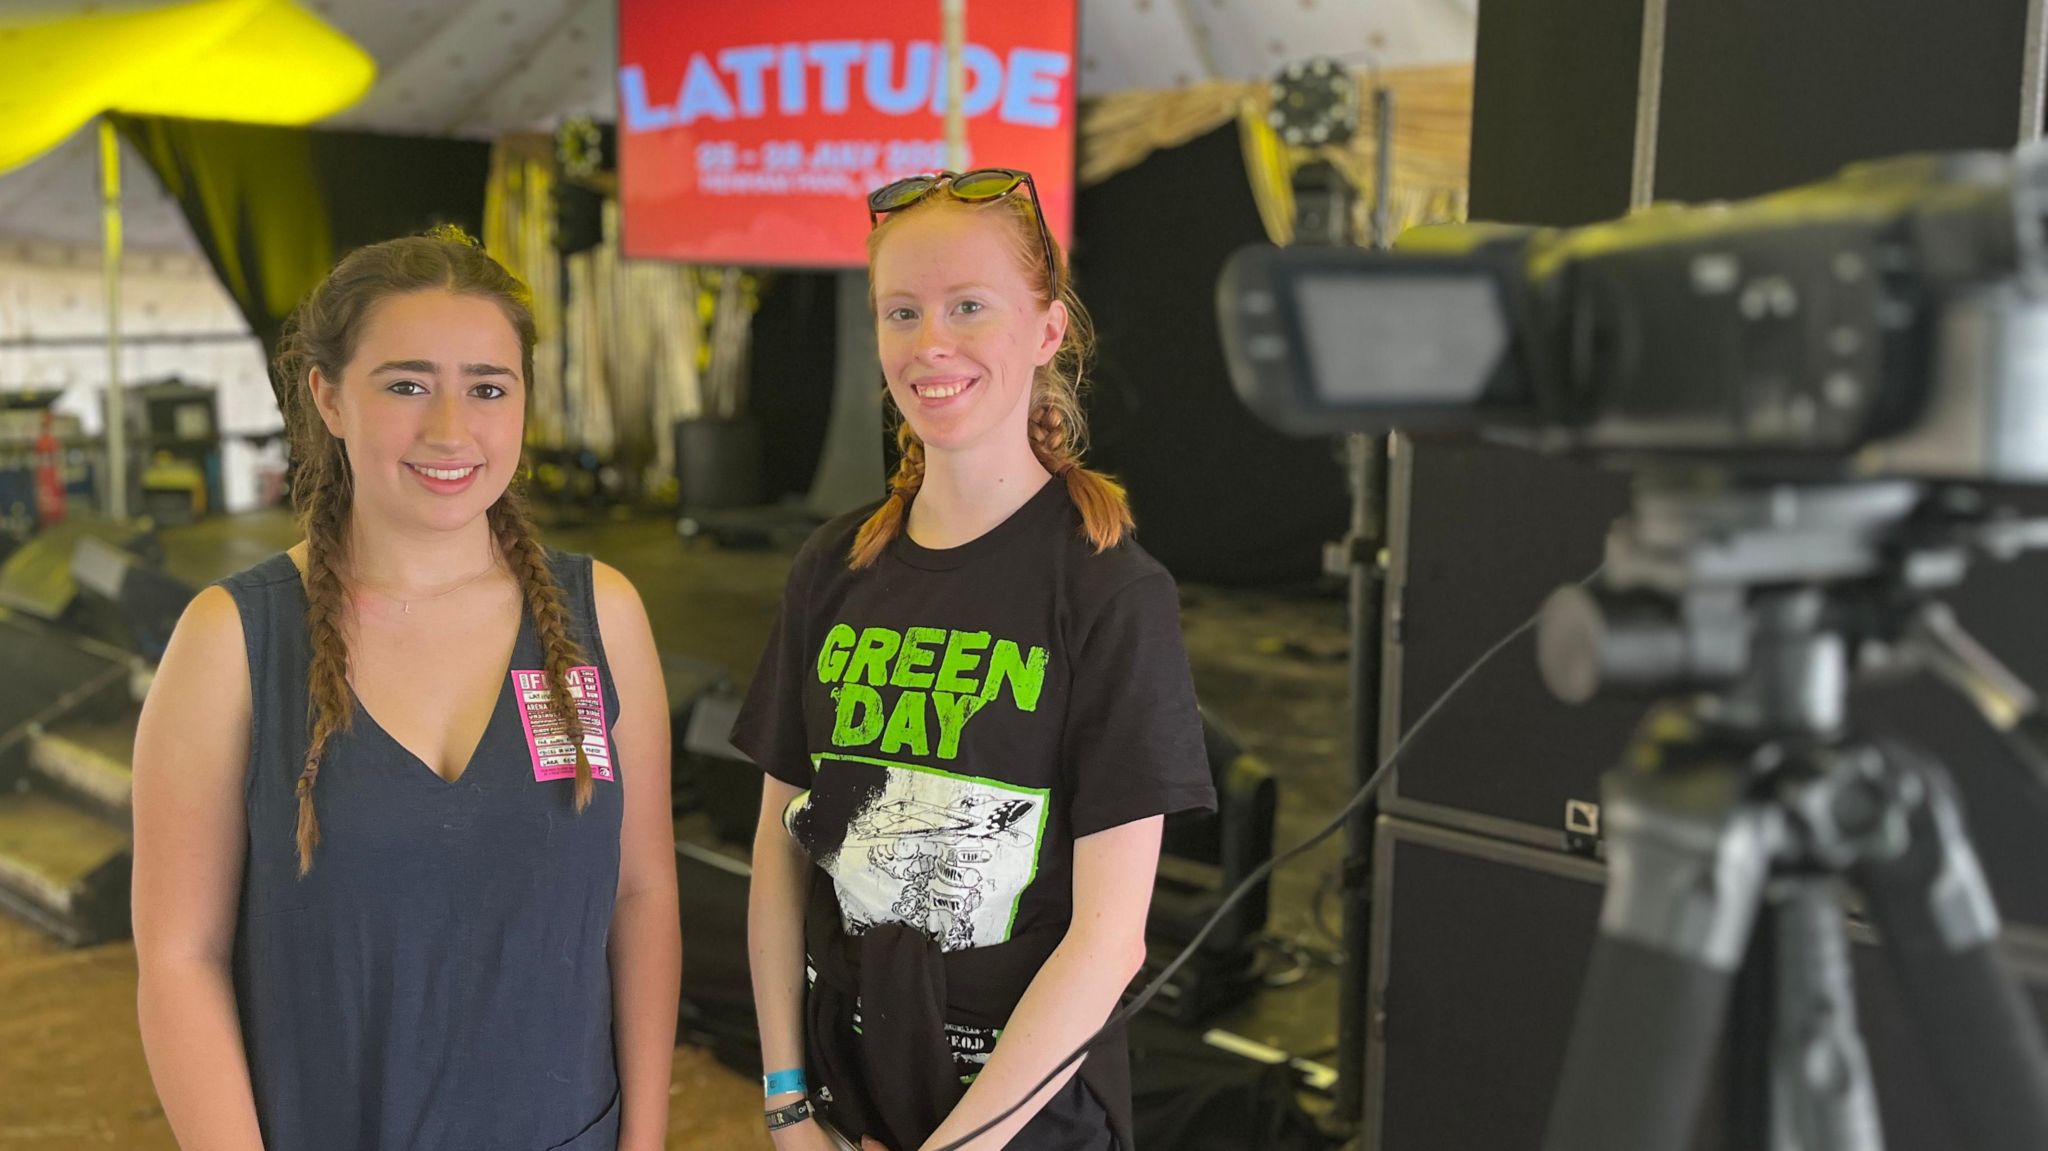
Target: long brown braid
(323,334)
(1059,424)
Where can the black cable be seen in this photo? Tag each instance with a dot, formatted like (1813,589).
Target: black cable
(1130,1010)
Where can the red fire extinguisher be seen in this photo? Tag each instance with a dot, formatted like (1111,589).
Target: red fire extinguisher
(49,474)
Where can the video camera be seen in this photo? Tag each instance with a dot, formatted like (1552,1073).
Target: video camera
(1891,321)
(1793,377)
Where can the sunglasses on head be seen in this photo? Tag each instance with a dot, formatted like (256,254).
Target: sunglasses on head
(976,187)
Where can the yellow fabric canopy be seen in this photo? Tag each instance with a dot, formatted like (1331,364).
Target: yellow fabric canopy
(252,61)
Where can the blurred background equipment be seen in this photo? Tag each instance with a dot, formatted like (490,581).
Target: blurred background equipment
(64,780)
(1204,857)
(85,611)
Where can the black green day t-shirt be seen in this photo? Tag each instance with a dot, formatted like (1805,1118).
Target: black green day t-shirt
(957,718)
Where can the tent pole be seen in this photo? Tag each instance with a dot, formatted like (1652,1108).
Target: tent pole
(954,15)
(115,489)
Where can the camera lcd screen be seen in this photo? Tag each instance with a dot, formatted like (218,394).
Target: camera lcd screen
(1401,340)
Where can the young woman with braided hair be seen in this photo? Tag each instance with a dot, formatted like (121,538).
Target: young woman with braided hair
(404,864)
(973,714)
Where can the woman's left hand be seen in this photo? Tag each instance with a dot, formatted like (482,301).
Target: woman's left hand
(868,1143)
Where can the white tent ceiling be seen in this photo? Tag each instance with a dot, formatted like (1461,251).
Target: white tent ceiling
(482,68)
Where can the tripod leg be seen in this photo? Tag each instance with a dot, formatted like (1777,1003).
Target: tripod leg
(1821,1093)
(1687,859)
(1940,931)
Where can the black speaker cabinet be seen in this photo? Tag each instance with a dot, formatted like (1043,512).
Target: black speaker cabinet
(1505,759)
(1479,950)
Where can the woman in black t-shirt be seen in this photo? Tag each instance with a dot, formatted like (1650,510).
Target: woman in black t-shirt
(973,714)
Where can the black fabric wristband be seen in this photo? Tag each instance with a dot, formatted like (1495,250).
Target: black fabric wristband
(789,1116)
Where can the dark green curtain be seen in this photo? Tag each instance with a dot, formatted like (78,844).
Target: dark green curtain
(274,208)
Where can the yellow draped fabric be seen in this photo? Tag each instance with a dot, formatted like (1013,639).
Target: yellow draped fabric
(250,61)
(1432,141)
(519,231)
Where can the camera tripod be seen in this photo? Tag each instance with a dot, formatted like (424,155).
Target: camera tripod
(1746,805)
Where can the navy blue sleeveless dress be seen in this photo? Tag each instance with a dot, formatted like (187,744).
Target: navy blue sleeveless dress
(439,980)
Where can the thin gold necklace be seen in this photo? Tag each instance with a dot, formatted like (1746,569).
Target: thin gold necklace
(407,603)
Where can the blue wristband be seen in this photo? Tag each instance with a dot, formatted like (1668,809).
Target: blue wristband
(784,1082)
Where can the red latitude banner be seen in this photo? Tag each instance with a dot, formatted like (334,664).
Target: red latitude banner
(751,134)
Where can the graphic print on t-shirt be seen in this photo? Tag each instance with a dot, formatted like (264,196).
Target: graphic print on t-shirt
(950,855)
(971,1046)
(929,716)
(945,850)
